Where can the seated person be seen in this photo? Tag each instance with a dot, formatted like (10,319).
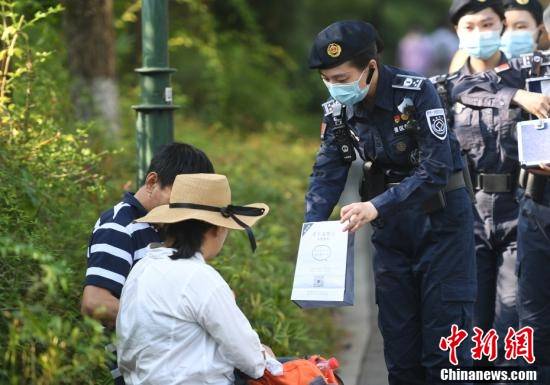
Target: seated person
(178,321)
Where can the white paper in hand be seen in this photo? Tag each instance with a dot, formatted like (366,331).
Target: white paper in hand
(324,267)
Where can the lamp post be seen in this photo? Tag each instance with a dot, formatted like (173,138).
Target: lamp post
(154,126)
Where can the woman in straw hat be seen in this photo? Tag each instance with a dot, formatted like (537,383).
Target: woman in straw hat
(178,321)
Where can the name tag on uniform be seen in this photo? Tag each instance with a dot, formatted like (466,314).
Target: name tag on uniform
(534,142)
(408,82)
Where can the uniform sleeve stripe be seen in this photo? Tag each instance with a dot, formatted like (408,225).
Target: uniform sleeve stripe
(115,251)
(106,274)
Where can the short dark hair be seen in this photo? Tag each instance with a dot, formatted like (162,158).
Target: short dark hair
(187,235)
(372,52)
(499,10)
(179,158)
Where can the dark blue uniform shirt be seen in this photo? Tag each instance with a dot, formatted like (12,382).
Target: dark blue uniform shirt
(422,159)
(485,118)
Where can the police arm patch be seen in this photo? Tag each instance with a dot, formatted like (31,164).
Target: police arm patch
(437,122)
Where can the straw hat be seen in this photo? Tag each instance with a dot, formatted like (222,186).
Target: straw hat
(206,197)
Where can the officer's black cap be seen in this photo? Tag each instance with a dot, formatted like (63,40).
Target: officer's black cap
(461,7)
(532,6)
(342,41)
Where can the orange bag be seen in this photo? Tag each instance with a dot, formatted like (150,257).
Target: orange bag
(328,371)
(295,372)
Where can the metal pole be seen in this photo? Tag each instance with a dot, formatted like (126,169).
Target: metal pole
(154,124)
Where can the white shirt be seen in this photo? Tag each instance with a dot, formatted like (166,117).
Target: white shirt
(178,323)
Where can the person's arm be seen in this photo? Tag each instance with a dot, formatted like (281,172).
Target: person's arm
(487,89)
(436,163)
(110,258)
(239,344)
(543,170)
(100,304)
(327,180)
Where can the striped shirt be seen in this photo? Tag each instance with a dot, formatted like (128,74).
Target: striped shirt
(117,243)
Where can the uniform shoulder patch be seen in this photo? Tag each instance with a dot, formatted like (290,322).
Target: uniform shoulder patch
(408,82)
(329,107)
(437,122)
(502,68)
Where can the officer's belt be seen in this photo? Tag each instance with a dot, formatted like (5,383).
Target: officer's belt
(455,182)
(534,185)
(494,183)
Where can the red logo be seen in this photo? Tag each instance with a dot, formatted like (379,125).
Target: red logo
(516,344)
(452,342)
(485,345)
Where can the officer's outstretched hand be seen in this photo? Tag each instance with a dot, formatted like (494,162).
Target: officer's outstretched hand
(536,104)
(357,214)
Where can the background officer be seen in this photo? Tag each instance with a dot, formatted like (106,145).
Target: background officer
(487,100)
(524,27)
(423,238)
(534,257)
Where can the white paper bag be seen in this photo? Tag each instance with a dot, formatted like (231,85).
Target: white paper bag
(324,275)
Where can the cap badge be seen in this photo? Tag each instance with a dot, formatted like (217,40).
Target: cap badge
(334,50)
(482,1)
(522,2)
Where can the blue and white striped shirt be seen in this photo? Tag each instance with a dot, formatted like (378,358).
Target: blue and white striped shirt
(117,243)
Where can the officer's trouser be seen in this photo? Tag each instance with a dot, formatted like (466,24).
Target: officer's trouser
(495,229)
(534,277)
(424,268)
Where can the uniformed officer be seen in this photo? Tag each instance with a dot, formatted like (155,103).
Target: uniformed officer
(534,257)
(424,261)
(487,99)
(523,27)
(522,34)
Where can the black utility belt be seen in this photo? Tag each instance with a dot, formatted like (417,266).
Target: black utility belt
(534,185)
(439,201)
(494,183)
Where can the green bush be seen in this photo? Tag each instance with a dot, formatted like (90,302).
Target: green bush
(48,189)
(53,185)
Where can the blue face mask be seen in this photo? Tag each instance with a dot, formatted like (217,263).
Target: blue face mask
(481,45)
(516,43)
(348,93)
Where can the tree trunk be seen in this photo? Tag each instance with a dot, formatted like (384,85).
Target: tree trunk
(90,35)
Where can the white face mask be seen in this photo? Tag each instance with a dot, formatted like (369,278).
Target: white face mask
(348,93)
(516,43)
(481,45)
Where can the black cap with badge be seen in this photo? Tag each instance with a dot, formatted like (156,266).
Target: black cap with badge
(460,8)
(532,6)
(342,41)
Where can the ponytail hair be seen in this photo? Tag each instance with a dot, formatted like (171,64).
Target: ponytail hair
(187,235)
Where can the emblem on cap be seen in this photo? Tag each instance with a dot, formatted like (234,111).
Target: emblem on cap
(482,1)
(334,50)
(522,2)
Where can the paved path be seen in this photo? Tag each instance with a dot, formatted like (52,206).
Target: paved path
(362,361)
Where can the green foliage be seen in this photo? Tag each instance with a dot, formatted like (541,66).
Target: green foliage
(241,71)
(48,186)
